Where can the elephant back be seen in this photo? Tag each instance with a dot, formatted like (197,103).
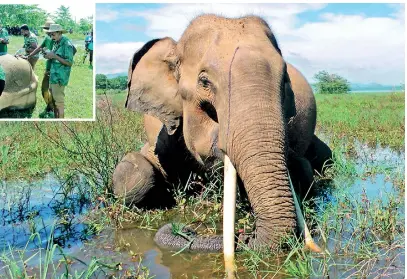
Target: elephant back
(19,74)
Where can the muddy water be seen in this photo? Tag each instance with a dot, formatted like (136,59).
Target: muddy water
(132,247)
(136,246)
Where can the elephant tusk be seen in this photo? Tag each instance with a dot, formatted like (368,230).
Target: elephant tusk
(309,241)
(229,211)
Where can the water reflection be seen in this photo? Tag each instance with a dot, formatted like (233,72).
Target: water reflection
(41,207)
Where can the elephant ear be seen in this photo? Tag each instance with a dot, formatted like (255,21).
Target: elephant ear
(289,100)
(152,87)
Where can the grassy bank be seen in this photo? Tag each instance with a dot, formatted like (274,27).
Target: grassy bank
(78,93)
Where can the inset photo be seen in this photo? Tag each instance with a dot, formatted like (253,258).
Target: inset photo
(46,61)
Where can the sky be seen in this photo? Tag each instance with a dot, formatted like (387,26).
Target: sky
(364,43)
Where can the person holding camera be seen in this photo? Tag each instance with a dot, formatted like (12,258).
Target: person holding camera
(61,58)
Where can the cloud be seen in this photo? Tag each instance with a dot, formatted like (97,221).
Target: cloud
(106,15)
(171,20)
(399,10)
(113,58)
(134,27)
(363,49)
(360,48)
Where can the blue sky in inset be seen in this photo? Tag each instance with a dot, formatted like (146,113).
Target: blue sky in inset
(362,42)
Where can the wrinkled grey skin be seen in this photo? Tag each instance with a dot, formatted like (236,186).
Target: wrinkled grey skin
(257,109)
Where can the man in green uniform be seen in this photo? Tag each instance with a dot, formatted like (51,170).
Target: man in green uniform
(2,80)
(30,43)
(61,62)
(47,44)
(3,40)
(89,48)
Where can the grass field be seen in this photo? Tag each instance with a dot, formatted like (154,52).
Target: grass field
(362,232)
(375,118)
(78,93)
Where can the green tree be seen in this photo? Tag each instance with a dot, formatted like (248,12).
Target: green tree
(102,82)
(64,18)
(17,15)
(119,83)
(85,24)
(331,83)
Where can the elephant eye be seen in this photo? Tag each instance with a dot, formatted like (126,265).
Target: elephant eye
(203,80)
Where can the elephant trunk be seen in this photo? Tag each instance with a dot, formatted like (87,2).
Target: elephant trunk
(257,149)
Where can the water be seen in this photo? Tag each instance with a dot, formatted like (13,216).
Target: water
(375,91)
(376,180)
(26,208)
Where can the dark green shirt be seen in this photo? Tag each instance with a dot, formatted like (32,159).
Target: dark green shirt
(3,35)
(60,73)
(48,43)
(28,41)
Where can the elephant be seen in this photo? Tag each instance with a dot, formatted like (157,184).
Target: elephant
(223,89)
(20,85)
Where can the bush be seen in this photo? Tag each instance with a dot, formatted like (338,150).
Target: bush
(331,83)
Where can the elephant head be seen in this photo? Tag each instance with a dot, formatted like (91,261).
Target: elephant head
(228,80)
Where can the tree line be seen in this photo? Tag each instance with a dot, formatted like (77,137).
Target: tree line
(13,15)
(117,83)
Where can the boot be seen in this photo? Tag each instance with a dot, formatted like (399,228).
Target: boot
(59,112)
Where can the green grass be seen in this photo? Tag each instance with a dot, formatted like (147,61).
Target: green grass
(78,93)
(375,118)
(110,92)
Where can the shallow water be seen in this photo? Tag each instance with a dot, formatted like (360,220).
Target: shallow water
(376,170)
(36,207)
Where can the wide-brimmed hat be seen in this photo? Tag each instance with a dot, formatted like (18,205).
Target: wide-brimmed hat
(55,28)
(47,23)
